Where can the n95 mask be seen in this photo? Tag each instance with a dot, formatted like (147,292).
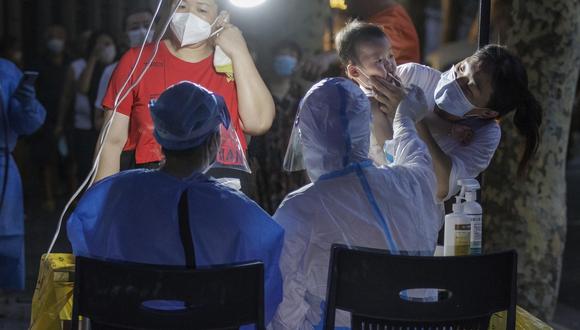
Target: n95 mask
(366,88)
(449,97)
(190,29)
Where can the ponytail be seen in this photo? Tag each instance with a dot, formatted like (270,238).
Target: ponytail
(510,92)
(527,120)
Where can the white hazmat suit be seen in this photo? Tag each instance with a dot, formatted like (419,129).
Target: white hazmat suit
(351,201)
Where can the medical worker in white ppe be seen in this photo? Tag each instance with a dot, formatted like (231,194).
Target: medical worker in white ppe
(350,200)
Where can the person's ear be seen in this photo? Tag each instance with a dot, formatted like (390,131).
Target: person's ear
(352,71)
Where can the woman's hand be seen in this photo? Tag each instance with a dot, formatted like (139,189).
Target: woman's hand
(229,37)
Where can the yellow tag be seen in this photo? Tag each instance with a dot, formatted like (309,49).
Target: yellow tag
(338,4)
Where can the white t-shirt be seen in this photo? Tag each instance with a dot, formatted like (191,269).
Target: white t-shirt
(82,108)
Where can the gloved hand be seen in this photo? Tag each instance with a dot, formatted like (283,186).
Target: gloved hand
(25,92)
(414,105)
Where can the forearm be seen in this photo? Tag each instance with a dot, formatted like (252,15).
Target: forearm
(256,106)
(441,162)
(109,161)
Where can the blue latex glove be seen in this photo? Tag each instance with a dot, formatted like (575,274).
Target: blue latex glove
(25,92)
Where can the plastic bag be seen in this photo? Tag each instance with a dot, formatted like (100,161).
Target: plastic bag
(231,154)
(52,300)
(524,321)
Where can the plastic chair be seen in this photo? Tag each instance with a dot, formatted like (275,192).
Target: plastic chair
(372,285)
(120,295)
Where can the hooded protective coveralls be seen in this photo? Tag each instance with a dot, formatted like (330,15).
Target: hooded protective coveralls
(350,201)
(133,215)
(20,114)
(468,161)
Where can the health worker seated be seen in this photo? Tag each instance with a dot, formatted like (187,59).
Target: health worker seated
(350,200)
(133,215)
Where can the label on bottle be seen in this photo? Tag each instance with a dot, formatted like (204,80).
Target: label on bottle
(476,234)
(462,238)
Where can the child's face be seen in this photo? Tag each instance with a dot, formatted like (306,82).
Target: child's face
(376,57)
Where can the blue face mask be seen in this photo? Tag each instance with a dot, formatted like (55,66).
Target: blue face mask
(449,97)
(284,65)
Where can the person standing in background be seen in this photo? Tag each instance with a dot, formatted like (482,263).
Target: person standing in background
(82,83)
(395,22)
(267,151)
(188,52)
(52,67)
(135,23)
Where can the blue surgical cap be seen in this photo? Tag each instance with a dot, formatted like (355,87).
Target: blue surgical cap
(186,114)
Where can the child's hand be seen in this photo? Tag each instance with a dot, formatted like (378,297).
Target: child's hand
(462,133)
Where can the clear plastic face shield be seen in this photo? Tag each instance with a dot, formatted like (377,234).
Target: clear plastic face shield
(331,129)
(294,157)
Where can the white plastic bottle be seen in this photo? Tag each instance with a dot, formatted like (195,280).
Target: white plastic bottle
(457,231)
(474,212)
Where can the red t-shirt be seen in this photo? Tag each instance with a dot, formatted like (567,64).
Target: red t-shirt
(166,70)
(402,33)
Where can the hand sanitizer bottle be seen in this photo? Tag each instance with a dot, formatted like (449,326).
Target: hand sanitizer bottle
(473,211)
(457,231)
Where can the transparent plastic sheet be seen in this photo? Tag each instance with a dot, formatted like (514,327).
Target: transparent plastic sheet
(52,300)
(524,321)
(294,157)
(231,154)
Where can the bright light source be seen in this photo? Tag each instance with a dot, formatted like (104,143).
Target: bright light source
(247,3)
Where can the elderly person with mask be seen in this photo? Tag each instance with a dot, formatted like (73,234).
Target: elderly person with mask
(351,201)
(133,215)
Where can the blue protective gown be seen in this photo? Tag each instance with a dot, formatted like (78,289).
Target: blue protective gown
(20,116)
(132,216)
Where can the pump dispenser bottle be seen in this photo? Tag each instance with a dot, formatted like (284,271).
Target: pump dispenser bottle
(457,231)
(473,211)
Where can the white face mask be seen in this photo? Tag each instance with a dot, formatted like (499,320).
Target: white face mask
(55,45)
(368,90)
(449,97)
(136,36)
(108,54)
(190,29)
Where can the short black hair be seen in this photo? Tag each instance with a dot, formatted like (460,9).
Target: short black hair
(288,44)
(351,35)
(133,11)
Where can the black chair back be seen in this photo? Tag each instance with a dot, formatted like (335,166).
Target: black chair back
(372,285)
(121,295)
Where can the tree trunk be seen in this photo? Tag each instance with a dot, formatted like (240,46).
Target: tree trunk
(529,214)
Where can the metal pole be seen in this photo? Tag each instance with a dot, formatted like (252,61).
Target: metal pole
(484,22)
(484,25)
